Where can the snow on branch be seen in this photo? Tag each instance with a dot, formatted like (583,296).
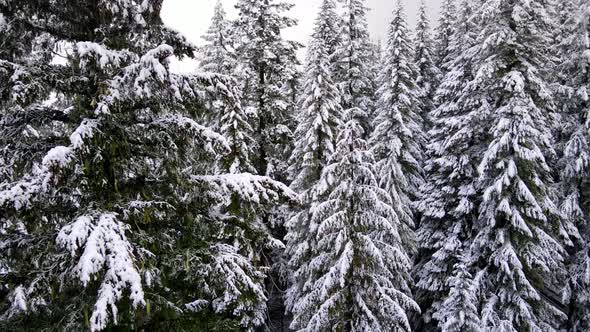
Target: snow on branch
(211,139)
(259,190)
(102,56)
(18,303)
(128,9)
(238,277)
(20,194)
(104,246)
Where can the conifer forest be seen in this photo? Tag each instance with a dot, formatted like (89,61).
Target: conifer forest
(435,179)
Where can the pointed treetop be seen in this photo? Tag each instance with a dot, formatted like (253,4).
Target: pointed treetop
(445,31)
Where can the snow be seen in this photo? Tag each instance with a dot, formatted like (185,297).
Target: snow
(237,275)
(3,24)
(128,9)
(206,135)
(152,65)
(197,305)
(104,246)
(514,82)
(492,192)
(100,54)
(74,236)
(19,302)
(59,156)
(86,130)
(19,195)
(251,188)
(342,231)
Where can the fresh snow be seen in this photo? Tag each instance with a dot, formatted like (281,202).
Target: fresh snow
(437,182)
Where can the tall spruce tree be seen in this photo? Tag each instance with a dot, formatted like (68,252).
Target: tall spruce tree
(458,311)
(574,72)
(516,251)
(216,55)
(398,138)
(450,202)
(354,72)
(110,212)
(330,31)
(319,118)
(563,12)
(320,105)
(428,74)
(234,126)
(269,67)
(359,270)
(444,31)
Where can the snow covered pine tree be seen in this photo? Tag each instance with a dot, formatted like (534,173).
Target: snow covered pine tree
(110,212)
(215,55)
(268,71)
(354,73)
(269,63)
(444,32)
(218,56)
(450,202)
(319,119)
(428,74)
(398,138)
(574,72)
(359,270)
(458,312)
(516,250)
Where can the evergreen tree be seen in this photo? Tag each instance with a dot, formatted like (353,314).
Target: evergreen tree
(329,29)
(444,33)
(515,248)
(110,212)
(375,59)
(459,311)
(216,55)
(398,138)
(268,63)
(575,160)
(320,106)
(314,142)
(565,13)
(359,270)
(354,72)
(268,69)
(450,202)
(235,128)
(428,73)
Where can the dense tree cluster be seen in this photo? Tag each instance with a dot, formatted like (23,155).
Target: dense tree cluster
(437,183)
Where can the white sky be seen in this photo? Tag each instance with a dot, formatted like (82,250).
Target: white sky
(192,17)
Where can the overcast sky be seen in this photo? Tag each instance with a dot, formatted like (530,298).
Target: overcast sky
(192,17)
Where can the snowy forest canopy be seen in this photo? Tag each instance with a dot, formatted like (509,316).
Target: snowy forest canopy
(437,181)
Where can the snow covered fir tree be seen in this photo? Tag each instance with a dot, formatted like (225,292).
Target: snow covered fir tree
(573,70)
(516,239)
(353,72)
(398,137)
(112,212)
(358,275)
(217,56)
(319,119)
(424,173)
(449,202)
